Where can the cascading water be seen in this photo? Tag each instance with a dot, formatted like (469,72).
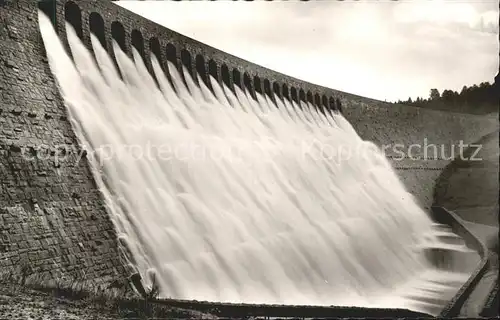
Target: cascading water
(229,198)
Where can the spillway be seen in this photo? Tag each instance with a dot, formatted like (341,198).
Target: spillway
(229,196)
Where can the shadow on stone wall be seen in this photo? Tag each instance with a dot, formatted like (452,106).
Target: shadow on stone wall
(469,184)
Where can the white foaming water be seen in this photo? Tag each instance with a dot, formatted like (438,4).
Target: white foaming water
(226,198)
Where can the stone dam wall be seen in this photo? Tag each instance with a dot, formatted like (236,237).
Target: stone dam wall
(53,219)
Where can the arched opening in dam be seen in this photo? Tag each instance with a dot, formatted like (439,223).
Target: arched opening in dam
(213,71)
(188,69)
(73,15)
(155,48)
(302,95)
(96,24)
(226,78)
(49,8)
(294,96)
(247,82)
(338,104)
(317,102)
(257,84)
(324,103)
(310,97)
(118,34)
(237,78)
(285,91)
(276,90)
(250,200)
(187,63)
(138,43)
(267,88)
(171,52)
(331,103)
(186,60)
(201,69)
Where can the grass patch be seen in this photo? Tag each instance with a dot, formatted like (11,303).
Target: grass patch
(117,300)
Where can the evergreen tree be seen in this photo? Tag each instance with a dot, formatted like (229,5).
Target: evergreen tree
(447,96)
(434,94)
(477,99)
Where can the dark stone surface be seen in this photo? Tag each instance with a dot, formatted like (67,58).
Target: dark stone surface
(469,184)
(427,138)
(52,218)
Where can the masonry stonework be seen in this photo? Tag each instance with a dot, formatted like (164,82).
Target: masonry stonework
(52,219)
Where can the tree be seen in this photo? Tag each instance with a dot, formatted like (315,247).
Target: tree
(447,95)
(477,99)
(464,90)
(434,95)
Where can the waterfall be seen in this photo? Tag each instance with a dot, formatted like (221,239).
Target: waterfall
(227,196)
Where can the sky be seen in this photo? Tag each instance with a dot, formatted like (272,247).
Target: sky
(381,49)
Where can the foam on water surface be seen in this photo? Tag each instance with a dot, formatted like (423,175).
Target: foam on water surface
(229,198)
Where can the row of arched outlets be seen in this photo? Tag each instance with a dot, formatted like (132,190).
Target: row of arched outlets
(197,65)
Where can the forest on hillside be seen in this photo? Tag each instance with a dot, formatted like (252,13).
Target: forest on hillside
(476,99)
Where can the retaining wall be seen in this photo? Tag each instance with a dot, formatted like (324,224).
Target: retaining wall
(52,216)
(452,309)
(392,125)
